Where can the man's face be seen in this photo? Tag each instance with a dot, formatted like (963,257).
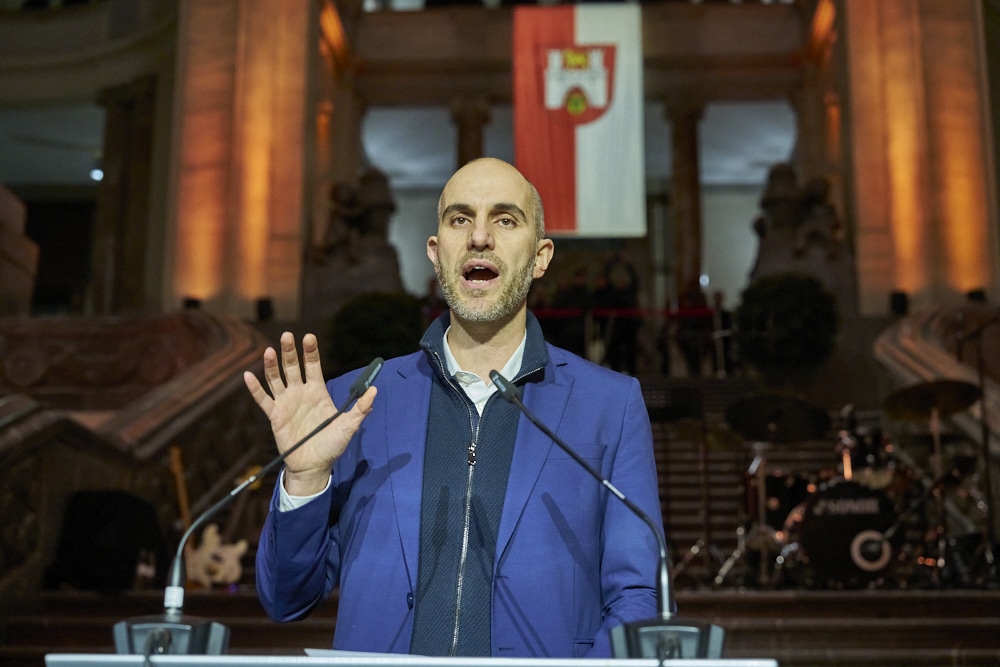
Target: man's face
(486,252)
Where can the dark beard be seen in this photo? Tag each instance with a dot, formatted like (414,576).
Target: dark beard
(513,292)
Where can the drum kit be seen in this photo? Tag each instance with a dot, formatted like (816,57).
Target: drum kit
(873,519)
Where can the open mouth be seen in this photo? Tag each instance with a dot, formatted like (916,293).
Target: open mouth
(479,273)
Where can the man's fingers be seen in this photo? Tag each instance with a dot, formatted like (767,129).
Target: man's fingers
(311,358)
(364,404)
(290,359)
(272,373)
(352,419)
(262,398)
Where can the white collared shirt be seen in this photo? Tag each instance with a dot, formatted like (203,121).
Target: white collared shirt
(476,388)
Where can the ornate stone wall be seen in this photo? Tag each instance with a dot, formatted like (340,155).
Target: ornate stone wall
(102,405)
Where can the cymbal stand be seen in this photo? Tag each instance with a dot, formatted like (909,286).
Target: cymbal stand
(989,538)
(845,445)
(703,547)
(757,470)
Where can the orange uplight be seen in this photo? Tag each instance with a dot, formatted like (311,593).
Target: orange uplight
(332,31)
(907,212)
(821,32)
(200,235)
(834,128)
(256,163)
(960,166)
(254,225)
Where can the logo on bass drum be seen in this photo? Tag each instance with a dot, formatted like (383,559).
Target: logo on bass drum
(846,507)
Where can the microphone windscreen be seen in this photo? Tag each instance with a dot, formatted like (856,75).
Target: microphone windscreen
(366,378)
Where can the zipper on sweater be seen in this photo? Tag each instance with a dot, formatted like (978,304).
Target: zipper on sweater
(474,425)
(466,529)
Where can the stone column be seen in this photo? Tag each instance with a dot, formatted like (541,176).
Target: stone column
(922,176)
(470,117)
(685,191)
(118,275)
(244,117)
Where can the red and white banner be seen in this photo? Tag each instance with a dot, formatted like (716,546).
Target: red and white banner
(578,116)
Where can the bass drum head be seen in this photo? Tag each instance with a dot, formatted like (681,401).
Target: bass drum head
(842,536)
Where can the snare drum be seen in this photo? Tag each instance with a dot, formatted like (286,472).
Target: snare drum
(839,534)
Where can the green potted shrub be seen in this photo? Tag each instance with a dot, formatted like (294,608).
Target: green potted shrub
(372,325)
(786,325)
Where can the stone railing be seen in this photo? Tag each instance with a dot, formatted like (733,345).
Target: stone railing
(114,404)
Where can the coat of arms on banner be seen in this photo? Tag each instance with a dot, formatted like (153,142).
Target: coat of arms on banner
(578,81)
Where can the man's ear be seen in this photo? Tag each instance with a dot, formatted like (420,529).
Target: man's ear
(432,251)
(543,255)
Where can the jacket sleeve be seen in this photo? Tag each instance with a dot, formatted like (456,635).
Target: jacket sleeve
(296,563)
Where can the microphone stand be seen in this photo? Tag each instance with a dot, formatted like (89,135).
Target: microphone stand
(175,633)
(662,637)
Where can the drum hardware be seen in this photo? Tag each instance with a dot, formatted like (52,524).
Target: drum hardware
(933,401)
(766,420)
(943,546)
(735,557)
(697,429)
(961,338)
(961,466)
(768,499)
(700,549)
(761,536)
(845,445)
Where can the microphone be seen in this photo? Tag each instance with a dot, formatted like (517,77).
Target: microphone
(663,637)
(174,633)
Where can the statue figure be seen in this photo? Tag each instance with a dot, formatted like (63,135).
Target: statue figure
(819,221)
(780,202)
(356,212)
(799,231)
(351,254)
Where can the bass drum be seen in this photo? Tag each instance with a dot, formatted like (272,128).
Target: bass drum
(837,538)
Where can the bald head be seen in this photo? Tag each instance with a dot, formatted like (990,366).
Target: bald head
(498,175)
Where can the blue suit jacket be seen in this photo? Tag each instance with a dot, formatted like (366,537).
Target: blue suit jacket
(571,560)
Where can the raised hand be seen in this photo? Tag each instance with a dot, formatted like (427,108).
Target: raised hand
(298,401)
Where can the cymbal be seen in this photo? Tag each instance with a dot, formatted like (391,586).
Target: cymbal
(777,418)
(917,402)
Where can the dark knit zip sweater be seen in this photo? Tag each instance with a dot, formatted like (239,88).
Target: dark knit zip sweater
(466,466)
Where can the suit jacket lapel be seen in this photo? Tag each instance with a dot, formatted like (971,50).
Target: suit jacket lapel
(547,401)
(406,410)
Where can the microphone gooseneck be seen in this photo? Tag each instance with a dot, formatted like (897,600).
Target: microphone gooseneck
(173,598)
(662,637)
(173,632)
